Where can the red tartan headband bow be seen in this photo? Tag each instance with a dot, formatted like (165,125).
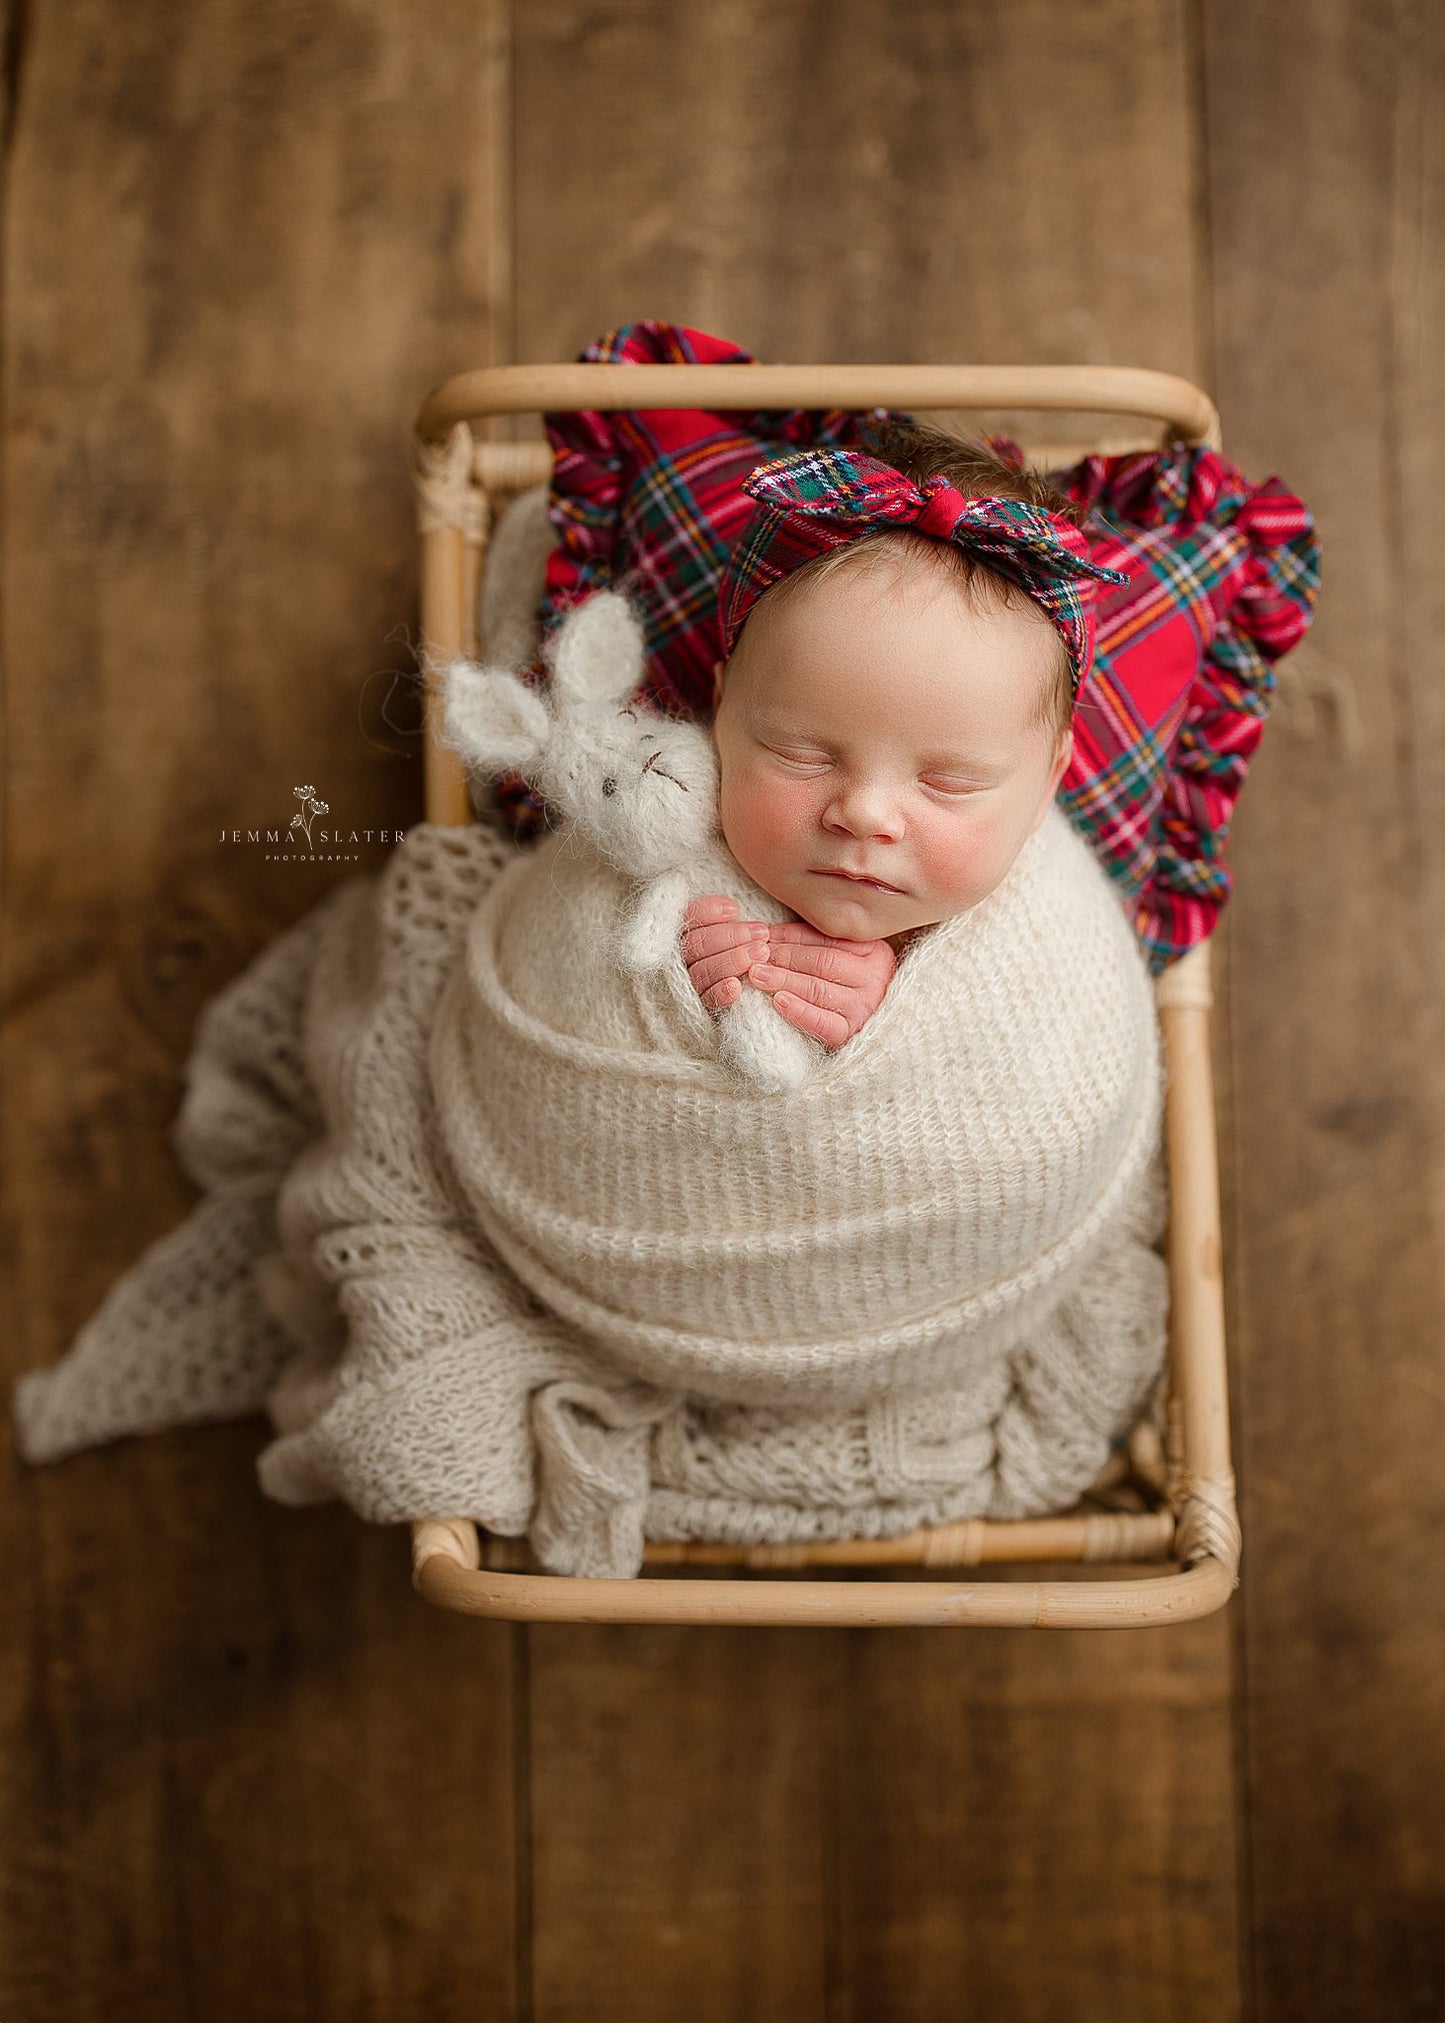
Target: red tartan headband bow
(824,498)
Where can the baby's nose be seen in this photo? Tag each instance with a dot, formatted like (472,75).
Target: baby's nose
(866,808)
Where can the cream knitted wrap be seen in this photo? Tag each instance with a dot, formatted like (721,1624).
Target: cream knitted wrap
(912,1212)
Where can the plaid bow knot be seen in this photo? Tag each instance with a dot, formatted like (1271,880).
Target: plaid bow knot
(826,497)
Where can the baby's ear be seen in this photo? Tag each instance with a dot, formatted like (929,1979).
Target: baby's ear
(493,720)
(597,653)
(1063,752)
(1063,756)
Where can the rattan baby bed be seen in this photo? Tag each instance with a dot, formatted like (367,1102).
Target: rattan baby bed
(1186,1523)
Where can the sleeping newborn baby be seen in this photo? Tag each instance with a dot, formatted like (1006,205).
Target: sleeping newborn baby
(893,718)
(916,1280)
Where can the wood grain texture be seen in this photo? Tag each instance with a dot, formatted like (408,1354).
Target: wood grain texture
(239,245)
(679,1825)
(1327,193)
(844,181)
(972,1778)
(1003,1832)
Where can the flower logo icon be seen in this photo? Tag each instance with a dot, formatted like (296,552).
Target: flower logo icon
(308,811)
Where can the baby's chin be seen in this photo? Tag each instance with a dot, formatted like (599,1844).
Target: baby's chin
(857,912)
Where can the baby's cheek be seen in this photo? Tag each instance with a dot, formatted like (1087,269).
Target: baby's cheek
(764,824)
(962,860)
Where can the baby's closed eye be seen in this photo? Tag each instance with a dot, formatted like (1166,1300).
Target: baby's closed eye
(954,785)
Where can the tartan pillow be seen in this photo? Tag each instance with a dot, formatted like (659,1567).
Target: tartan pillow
(1222,580)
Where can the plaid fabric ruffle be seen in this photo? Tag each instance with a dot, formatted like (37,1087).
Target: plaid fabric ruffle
(1221,580)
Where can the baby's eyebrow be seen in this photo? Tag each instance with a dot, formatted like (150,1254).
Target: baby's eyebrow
(769,719)
(792,734)
(956,762)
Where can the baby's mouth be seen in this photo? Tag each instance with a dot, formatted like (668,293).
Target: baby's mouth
(853,879)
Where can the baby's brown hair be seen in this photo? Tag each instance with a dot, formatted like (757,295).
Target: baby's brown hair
(921,451)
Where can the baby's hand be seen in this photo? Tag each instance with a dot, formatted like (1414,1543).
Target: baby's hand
(719,949)
(826,987)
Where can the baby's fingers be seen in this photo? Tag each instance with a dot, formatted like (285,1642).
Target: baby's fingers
(699,941)
(711,969)
(712,953)
(801,934)
(715,909)
(722,994)
(841,962)
(814,1019)
(716,945)
(719,949)
(814,990)
(710,907)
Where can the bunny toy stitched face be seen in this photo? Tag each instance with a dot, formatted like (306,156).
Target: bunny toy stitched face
(636,787)
(882,749)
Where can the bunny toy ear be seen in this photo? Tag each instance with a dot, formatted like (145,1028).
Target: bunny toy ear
(493,720)
(597,656)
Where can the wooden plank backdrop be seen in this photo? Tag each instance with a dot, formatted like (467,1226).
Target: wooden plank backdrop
(243,1773)
(1337,1014)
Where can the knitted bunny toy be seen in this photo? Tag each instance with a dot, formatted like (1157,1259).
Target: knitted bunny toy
(638,789)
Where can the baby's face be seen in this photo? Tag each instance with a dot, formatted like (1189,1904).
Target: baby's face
(882,725)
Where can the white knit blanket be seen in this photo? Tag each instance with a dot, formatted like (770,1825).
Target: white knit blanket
(489,1231)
